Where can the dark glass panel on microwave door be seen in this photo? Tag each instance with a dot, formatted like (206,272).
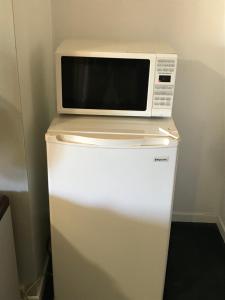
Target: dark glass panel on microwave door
(105,83)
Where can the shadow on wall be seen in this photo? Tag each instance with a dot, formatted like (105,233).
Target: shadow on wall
(38,113)
(199,114)
(36,123)
(24,117)
(102,254)
(13,174)
(14,184)
(12,159)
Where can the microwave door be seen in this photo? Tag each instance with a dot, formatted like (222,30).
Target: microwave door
(105,83)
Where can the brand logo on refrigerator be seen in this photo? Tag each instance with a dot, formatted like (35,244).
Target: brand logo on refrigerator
(161,158)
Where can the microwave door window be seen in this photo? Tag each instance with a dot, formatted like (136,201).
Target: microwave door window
(105,83)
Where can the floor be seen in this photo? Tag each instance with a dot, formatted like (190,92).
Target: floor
(196,264)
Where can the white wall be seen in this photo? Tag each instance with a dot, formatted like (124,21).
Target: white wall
(195,29)
(33,33)
(13,173)
(26,81)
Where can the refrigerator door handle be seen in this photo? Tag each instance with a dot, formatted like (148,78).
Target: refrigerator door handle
(114,140)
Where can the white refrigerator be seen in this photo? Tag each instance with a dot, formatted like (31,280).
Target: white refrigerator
(111,183)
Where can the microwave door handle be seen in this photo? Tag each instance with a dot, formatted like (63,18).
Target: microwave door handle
(113,141)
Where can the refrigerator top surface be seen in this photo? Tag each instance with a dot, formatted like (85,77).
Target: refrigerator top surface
(113,125)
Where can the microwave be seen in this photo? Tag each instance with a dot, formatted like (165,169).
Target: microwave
(114,78)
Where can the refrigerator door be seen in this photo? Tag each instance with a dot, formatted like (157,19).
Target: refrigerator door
(110,208)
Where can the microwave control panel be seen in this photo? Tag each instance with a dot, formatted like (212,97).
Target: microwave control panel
(164,85)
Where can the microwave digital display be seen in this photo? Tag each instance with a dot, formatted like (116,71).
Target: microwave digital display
(105,83)
(164,78)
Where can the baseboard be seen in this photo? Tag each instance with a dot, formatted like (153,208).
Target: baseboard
(221,226)
(38,292)
(194,217)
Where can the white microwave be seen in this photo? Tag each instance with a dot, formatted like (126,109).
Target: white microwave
(111,78)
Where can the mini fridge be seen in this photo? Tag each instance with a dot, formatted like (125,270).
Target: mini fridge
(111,183)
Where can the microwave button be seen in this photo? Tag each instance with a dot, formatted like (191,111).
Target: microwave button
(166,93)
(162,93)
(165,61)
